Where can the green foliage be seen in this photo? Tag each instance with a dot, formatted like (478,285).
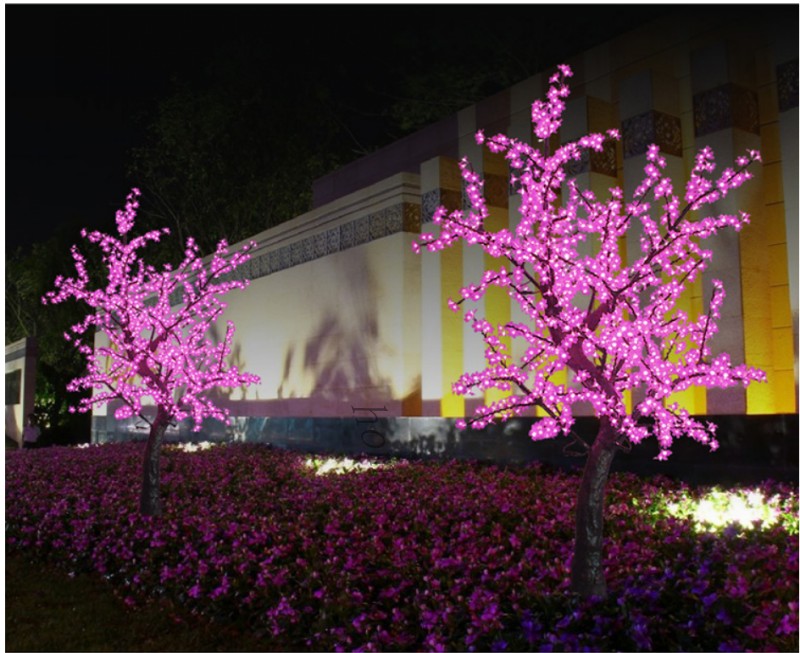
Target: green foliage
(29,274)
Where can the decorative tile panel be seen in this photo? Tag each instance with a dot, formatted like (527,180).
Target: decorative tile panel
(496,190)
(362,232)
(745,109)
(604,162)
(348,235)
(296,253)
(450,198)
(261,266)
(377,225)
(786,74)
(333,240)
(411,218)
(285,257)
(273,262)
(320,245)
(394,219)
(639,132)
(725,107)
(308,249)
(573,167)
(402,217)
(668,133)
(431,200)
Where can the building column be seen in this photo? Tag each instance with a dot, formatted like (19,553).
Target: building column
(786,327)
(472,260)
(522,97)
(726,119)
(442,339)
(649,111)
(597,171)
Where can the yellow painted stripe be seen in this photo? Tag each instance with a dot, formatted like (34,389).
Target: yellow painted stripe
(692,399)
(451,260)
(497,301)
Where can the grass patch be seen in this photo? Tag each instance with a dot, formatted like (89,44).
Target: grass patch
(47,610)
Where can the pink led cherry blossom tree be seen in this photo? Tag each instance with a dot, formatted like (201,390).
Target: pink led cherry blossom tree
(616,329)
(156,353)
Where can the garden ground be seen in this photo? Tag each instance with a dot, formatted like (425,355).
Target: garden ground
(405,556)
(47,610)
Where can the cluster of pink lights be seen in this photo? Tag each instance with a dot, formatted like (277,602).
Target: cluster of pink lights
(156,353)
(613,328)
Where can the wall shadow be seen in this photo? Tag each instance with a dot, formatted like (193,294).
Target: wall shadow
(338,362)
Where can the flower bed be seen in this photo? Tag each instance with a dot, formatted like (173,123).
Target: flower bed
(409,556)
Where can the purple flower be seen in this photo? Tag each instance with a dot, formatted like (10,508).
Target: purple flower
(788,623)
(444,580)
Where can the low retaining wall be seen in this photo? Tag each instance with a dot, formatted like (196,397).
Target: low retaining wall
(752,447)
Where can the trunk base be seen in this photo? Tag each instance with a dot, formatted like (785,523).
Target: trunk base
(587,576)
(150,499)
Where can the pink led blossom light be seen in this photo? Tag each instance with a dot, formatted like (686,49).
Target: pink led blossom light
(156,353)
(613,328)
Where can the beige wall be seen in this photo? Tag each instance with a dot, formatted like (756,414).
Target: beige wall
(21,358)
(330,334)
(341,314)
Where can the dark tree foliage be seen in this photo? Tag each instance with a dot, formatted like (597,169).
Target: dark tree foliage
(489,54)
(234,148)
(28,273)
(236,152)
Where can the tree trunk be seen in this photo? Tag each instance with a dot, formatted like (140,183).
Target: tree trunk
(150,502)
(588,577)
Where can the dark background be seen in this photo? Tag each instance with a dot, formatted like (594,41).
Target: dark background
(83,81)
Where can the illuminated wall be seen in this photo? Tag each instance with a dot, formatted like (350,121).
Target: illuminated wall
(682,85)
(341,314)
(370,323)
(331,320)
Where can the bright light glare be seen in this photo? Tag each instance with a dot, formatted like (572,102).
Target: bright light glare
(323,466)
(192,447)
(718,509)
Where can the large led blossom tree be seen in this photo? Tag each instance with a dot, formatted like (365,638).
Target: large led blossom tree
(157,354)
(616,330)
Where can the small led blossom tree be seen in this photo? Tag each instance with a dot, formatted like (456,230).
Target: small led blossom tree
(156,353)
(616,329)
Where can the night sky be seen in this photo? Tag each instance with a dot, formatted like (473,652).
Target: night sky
(81,79)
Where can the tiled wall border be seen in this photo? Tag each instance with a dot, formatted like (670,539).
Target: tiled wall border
(401,217)
(389,207)
(724,107)
(653,126)
(433,199)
